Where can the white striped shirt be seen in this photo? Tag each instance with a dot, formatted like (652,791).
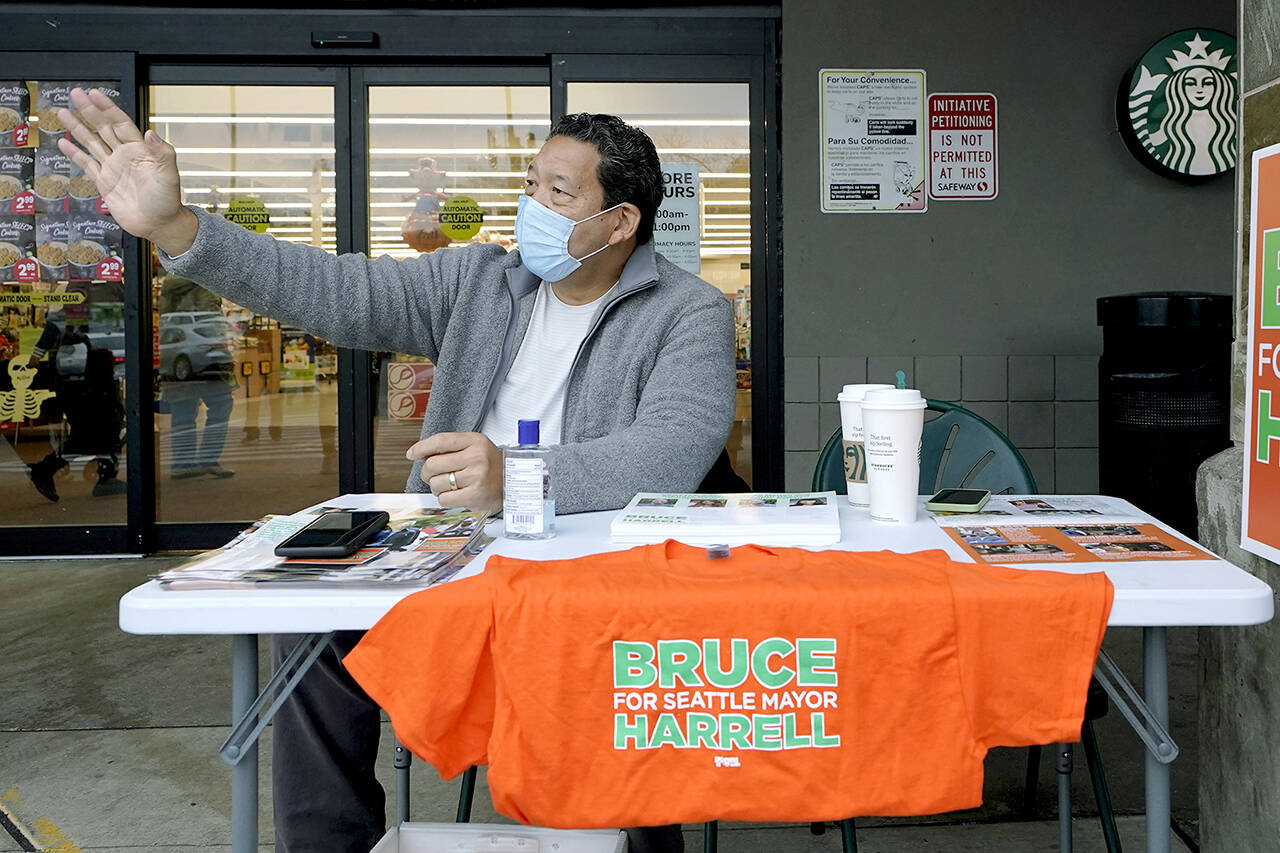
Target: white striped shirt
(534,387)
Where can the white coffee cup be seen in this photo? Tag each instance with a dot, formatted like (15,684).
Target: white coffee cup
(855,459)
(893,422)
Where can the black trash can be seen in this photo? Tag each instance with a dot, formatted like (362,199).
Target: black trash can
(1164,397)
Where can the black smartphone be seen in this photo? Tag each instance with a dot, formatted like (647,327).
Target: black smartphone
(336,533)
(958,500)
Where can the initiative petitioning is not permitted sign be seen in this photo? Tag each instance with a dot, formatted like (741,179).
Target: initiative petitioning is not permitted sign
(962,147)
(1260,523)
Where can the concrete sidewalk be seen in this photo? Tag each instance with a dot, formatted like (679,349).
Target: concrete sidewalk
(108,742)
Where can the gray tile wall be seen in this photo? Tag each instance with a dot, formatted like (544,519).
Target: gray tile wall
(1047,405)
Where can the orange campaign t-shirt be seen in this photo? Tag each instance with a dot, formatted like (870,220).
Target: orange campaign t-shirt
(659,685)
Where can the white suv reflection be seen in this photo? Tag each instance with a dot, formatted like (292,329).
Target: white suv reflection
(195,344)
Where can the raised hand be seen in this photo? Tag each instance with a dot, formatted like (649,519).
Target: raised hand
(136,173)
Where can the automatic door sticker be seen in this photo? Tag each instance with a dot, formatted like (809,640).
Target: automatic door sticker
(250,212)
(461,218)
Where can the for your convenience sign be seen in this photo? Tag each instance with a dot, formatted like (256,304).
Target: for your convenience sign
(872,140)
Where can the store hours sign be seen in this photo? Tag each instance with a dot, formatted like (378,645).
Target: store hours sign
(677,231)
(1176,107)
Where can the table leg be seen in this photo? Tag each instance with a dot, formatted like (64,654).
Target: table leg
(848,836)
(244,775)
(1155,690)
(403,761)
(1064,768)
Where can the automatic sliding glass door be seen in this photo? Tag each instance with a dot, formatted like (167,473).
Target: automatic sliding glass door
(248,409)
(246,406)
(228,415)
(446,168)
(69,277)
(701,113)
(402,161)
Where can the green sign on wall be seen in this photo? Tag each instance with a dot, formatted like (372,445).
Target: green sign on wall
(1269,295)
(1177,105)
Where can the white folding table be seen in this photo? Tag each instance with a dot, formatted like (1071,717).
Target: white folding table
(1151,594)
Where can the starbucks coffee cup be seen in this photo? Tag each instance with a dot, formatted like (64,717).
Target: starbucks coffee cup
(893,422)
(855,459)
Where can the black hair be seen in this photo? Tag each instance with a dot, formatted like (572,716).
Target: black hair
(629,169)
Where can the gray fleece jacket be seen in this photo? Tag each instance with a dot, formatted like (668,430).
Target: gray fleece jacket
(650,397)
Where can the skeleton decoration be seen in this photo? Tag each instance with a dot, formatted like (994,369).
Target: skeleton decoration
(22,403)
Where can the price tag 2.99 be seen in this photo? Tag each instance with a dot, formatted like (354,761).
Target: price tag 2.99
(26,269)
(109,269)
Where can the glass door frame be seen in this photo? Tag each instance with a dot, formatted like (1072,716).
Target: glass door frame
(133,534)
(356,378)
(766,249)
(172,536)
(356,381)
(361,405)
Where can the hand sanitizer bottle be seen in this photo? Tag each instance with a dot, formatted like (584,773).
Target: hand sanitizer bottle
(528,506)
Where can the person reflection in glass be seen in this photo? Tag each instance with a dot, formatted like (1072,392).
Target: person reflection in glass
(88,399)
(196,366)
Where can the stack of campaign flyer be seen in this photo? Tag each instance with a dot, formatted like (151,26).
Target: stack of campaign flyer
(1058,529)
(1041,509)
(421,545)
(766,518)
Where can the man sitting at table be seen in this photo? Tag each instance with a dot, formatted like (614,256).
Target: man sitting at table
(627,361)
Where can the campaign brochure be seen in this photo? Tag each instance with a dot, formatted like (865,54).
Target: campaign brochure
(420,546)
(1032,509)
(1057,529)
(762,518)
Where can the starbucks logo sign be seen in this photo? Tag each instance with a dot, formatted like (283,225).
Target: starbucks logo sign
(1177,106)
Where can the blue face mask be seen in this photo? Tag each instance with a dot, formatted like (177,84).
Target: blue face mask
(543,237)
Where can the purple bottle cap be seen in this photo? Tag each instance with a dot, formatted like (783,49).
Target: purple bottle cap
(528,432)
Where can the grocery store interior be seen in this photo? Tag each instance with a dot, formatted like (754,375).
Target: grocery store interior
(241,404)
